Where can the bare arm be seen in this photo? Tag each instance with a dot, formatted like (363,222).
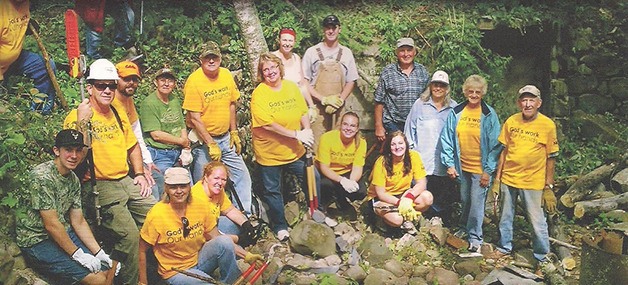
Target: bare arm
(166,138)
(313,93)
(356,173)
(327,172)
(378,116)
(199,126)
(82,230)
(383,196)
(135,157)
(235,215)
(346,90)
(143,279)
(500,164)
(419,187)
(279,129)
(550,167)
(232,120)
(56,231)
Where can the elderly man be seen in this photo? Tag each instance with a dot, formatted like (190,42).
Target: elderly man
(400,85)
(164,126)
(330,69)
(14,18)
(210,99)
(53,234)
(123,201)
(526,170)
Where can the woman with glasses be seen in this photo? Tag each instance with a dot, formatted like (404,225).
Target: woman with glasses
(281,131)
(184,237)
(470,151)
(292,67)
(340,159)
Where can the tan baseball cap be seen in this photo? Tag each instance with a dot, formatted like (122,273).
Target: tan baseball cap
(530,89)
(176,175)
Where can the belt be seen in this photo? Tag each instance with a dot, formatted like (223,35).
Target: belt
(221,135)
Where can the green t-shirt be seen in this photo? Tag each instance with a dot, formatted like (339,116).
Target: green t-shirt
(156,115)
(49,190)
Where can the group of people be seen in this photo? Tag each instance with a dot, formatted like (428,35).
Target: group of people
(159,175)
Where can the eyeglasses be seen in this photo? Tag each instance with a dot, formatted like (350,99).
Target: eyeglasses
(103,86)
(270,69)
(131,78)
(186,226)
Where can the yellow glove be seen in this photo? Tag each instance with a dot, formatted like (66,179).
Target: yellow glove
(405,205)
(330,109)
(333,100)
(235,141)
(312,112)
(549,200)
(412,215)
(495,188)
(253,258)
(214,151)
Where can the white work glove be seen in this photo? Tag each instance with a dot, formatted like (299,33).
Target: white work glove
(87,260)
(186,157)
(305,136)
(102,256)
(349,185)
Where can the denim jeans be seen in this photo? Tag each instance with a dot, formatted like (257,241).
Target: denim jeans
(394,126)
(124,17)
(534,212)
(218,252)
(33,66)
(272,195)
(238,172)
(473,197)
(163,159)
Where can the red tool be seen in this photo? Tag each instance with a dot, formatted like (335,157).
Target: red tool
(260,271)
(72,42)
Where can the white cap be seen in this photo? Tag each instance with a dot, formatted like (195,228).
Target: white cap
(440,76)
(530,89)
(102,69)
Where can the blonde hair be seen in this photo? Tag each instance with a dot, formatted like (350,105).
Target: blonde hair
(475,80)
(268,57)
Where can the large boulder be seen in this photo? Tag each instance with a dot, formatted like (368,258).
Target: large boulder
(378,276)
(443,276)
(618,88)
(309,237)
(596,104)
(374,250)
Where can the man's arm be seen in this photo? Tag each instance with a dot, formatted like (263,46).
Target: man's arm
(135,157)
(313,93)
(235,215)
(550,167)
(199,127)
(82,230)
(233,126)
(57,232)
(378,116)
(346,90)
(166,138)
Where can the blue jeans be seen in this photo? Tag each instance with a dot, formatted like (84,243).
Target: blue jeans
(473,197)
(124,17)
(272,195)
(33,66)
(238,172)
(219,252)
(163,159)
(534,212)
(48,258)
(394,126)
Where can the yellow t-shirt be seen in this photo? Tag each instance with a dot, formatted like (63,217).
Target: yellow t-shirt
(163,229)
(211,98)
(468,131)
(397,183)
(13,24)
(284,107)
(109,144)
(340,158)
(128,108)
(528,144)
(214,209)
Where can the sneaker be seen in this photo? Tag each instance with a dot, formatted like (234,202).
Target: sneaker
(461,233)
(283,235)
(474,248)
(408,227)
(436,221)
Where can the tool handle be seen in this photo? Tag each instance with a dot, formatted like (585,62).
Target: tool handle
(258,273)
(244,275)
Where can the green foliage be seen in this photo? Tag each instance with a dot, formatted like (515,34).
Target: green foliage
(603,221)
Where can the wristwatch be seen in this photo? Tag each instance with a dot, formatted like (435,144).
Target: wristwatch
(550,186)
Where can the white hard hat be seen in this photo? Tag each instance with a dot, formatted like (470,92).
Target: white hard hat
(102,69)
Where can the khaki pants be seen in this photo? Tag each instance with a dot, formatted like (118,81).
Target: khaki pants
(324,123)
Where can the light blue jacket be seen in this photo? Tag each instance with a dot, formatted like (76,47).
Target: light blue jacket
(490,148)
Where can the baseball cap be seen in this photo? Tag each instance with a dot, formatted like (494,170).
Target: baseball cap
(69,137)
(405,42)
(531,89)
(440,76)
(127,68)
(176,175)
(166,72)
(208,48)
(330,20)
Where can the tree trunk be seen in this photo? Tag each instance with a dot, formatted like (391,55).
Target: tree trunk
(584,185)
(556,231)
(599,206)
(246,15)
(619,182)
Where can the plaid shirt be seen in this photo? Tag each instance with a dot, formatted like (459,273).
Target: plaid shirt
(398,91)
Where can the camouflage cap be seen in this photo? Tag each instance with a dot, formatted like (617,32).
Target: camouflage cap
(210,48)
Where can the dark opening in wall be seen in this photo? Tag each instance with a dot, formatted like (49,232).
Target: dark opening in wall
(530,52)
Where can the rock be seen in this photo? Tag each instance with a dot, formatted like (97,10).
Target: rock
(405,241)
(293,213)
(619,182)
(581,84)
(356,273)
(395,267)
(379,276)
(374,250)
(330,279)
(525,258)
(582,39)
(354,257)
(333,260)
(471,267)
(420,271)
(595,104)
(594,126)
(467,278)
(342,244)
(480,277)
(305,279)
(6,265)
(300,261)
(343,228)
(309,237)
(618,88)
(563,107)
(432,253)
(439,234)
(417,281)
(442,276)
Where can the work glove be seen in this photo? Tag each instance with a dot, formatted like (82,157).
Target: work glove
(305,136)
(87,260)
(330,110)
(186,157)
(247,234)
(312,113)
(406,208)
(235,141)
(104,257)
(349,185)
(333,100)
(412,215)
(549,200)
(254,259)
(214,151)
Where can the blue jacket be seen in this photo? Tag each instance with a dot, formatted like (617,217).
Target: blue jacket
(490,148)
